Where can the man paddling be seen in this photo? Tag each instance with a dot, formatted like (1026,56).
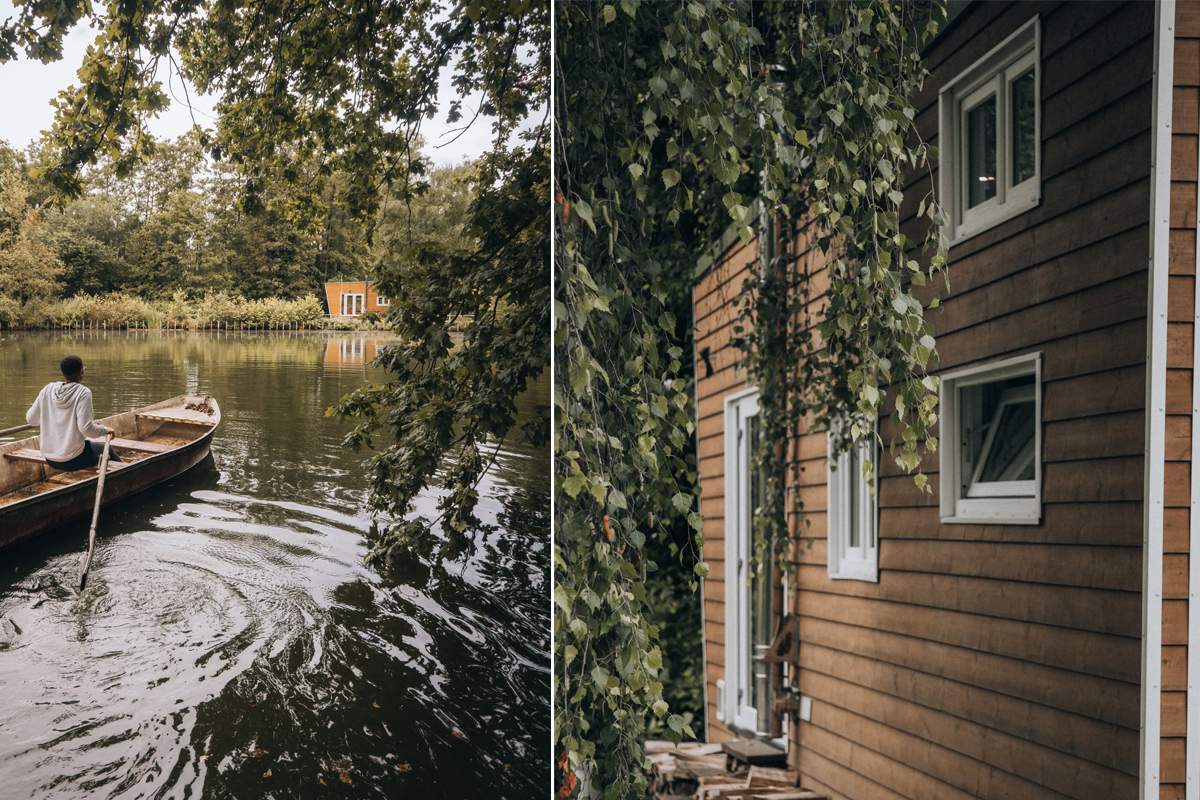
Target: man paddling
(63,411)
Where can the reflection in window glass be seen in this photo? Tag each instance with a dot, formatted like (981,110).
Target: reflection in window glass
(981,152)
(999,430)
(1010,458)
(1024,146)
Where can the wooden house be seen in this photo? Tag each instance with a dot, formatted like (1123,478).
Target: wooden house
(354,298)
(1021,632)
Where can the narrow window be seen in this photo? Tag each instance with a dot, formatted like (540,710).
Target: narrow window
(852,550)
(1024,128)
(991,443)
(981,152)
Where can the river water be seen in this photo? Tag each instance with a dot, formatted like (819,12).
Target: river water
(232,643)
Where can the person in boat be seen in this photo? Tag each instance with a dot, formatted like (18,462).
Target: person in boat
(63,411)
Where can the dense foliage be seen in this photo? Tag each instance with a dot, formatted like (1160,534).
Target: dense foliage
(674,121)
(320,107)
(177,222)
(215,311)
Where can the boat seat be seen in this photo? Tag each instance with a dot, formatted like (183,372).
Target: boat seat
(183,415)
(26,454)
(36,457)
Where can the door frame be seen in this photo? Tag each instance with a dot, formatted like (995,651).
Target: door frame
(739,407)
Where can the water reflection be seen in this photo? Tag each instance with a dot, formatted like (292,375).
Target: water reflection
(233,643)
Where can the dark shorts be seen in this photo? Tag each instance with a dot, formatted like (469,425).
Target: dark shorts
(90,457)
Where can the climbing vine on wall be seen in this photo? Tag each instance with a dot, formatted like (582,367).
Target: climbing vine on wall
(674,121)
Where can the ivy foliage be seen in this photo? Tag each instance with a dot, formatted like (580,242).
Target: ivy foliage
(674,121)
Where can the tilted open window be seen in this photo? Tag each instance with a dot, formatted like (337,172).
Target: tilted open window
(991,443)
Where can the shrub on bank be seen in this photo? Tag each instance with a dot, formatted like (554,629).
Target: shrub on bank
(218,310)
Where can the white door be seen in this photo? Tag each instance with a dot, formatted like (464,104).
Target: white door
(352,304)
(748,610)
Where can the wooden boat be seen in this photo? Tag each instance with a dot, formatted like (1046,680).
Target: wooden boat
(156,442)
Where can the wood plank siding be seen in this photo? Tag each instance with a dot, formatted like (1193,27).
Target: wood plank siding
(1180,337)
(1003,661)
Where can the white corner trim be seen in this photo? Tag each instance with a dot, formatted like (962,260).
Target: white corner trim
(1192,752)
(1156,389)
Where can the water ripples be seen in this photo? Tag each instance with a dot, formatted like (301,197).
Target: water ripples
(232,643)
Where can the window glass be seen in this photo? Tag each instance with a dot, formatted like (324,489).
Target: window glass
(998,422)
(1010,457)
(1023,144)
(853,478)
(761,589)
(981,152)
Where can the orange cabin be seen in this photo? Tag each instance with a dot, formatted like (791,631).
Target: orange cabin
(354,298)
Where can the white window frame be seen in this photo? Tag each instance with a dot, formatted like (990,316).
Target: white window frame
(382,300)
(847,485)
(993,74)
(352,301)
(993,504)
(737,682)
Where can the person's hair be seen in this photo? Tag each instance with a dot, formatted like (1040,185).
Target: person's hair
(71,366)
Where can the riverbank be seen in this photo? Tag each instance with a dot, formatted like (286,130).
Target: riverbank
(179,312)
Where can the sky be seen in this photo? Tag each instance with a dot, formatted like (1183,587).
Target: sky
(29,86)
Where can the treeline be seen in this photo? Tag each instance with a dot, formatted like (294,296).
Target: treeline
(219,311)
(180,231)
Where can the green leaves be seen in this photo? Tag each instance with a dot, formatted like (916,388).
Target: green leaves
(674,91)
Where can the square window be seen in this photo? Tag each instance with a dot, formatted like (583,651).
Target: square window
(991,443)
(852,551)
(989,137)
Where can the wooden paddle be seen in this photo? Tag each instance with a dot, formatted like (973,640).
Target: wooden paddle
(87,564)
(14,429)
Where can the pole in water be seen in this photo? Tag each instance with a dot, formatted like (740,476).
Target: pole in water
(87,564)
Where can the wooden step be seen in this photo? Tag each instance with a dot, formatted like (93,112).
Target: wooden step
(184,415)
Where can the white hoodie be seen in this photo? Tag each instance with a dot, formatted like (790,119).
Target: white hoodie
(64,413)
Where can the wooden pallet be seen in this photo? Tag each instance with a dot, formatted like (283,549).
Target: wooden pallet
(697,771)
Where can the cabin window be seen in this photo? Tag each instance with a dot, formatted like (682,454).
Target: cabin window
(989,136)
(352,304)
(991,440)
(852,548)
(750,593)
(382,300)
